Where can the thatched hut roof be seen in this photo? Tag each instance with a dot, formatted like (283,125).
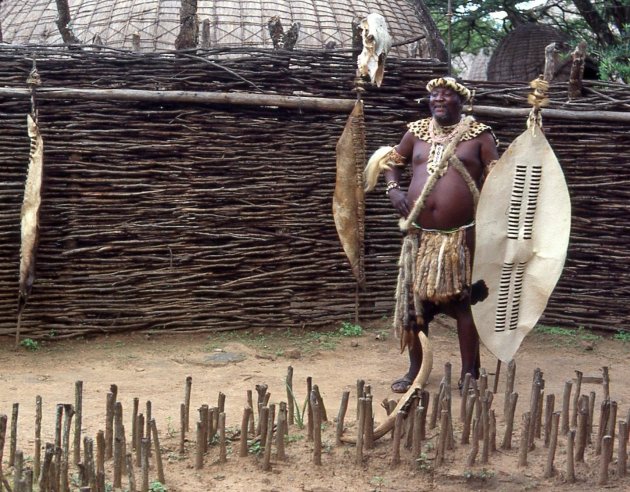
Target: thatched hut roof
(521,54)
(323,23)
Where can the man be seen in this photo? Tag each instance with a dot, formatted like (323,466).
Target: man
(450,156)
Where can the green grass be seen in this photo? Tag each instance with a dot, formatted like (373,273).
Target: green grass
(30,344)
(622,336)
(567,335)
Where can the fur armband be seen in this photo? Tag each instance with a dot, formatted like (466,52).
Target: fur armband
(382,160)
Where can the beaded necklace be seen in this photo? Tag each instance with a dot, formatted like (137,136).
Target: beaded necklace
(440,137)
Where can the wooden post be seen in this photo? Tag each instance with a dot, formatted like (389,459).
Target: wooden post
(606,382)
(309,409)
(576,397)
(140,436)
(341,415)
(570,461)
(550,62)
(186,413)
(205,34)
(18,469)
(591,416)
(476,429)
(320,401)
(471,401)
(109,425)
(3,435)
(360,427)
(144,469)
(183,427)
(263,420)
(244,424)
(553,442)
(368,425)
(131,476)
(158,452)
(222,441)
(100,452)
(78,421)
(38,438)
(118,444)
(44,476)
(622,449)
(582,427)
(280,431)
(360,394)
(416,444)
(464,394)
(603,423)
(14,429)
(577,71)
(497,373)
(443,436)
(509,427)
(268,438)
(549,411)
(317,429)
(566,398)
(604,460)
(134,423)
(509,387)
(398,426)
(200,445)
(523,444)
(88,460)
(189,29)
(290,401)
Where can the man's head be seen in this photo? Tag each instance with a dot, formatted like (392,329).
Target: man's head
(446,99)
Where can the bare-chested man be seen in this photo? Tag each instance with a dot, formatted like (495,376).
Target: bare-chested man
(449,156)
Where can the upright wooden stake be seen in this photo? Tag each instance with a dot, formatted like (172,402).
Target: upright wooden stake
(309,409)
(603,424)
(368,425)
(268,439)
(100,452)
(290,400)
(222,442)
(118,446)
(549,411)
(606,382)
(523,444)
(317,429)
(497,372)
(553,442)
(38,438)
(570,461)
(144,469)
(244,424)
(591,416)
(109,425)
(320,401)
(252,424)
(78,421)
(199,447)
(441,452)
(509,387)
(471,400)
(509,427)
(582,427)
(44,477)
(622,449)
(604,460)
(576,397)
(341,415)
(131,476)
(566,399)
(67,422)
(186,412)
(14,429)
(360,428)
(416,444)
(183,427)
(474,449)
(3,435)
(158,452)
(18,469)
(465,386)
(140,436)
(398,426)
(263,420)
(134,423)
(280,432)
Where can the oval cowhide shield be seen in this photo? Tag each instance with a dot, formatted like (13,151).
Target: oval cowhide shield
(523,223)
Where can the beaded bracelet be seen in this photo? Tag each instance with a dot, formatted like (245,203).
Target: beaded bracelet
(390,186)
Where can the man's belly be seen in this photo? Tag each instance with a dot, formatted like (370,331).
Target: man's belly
(450,203)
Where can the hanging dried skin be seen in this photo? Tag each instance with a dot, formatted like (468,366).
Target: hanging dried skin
(30,211)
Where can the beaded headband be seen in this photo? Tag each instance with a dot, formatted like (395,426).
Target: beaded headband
(449,83)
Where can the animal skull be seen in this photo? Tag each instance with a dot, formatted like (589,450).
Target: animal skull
(376,45)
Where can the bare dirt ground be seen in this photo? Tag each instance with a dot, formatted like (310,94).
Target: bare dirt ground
(152,367)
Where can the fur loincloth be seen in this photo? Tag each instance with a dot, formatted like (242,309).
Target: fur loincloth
(434,266)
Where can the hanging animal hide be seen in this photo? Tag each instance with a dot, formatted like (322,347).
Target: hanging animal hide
(30,212)
(522,234)
(349,197)
(376,45)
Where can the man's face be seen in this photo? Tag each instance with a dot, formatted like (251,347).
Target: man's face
(445,105)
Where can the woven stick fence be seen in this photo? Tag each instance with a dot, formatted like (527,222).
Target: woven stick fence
(189,217)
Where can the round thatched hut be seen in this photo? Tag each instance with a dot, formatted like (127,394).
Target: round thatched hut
(156,23)
(521,55)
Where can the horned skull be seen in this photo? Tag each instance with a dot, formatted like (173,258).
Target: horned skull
(376,45)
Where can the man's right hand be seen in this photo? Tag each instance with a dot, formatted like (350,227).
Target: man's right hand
(399,200)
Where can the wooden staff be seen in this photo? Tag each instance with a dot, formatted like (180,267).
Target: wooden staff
(341,415)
